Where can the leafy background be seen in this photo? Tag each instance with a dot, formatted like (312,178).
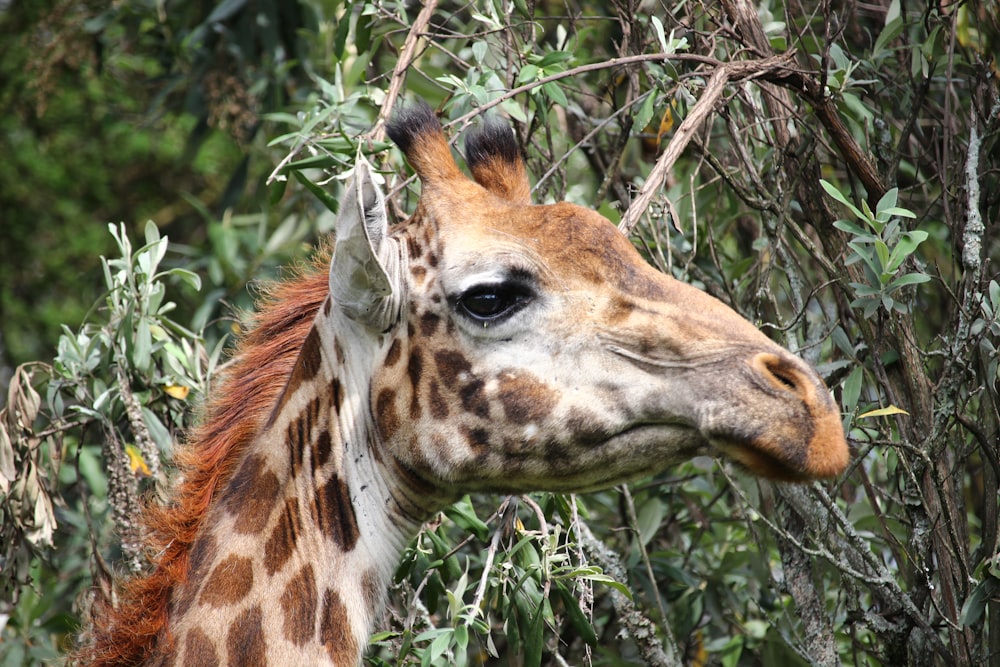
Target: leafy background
(829,170)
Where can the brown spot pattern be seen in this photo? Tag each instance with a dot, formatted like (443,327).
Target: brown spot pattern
(281,544)
(299,603)
(525,398)
(295,439)
(414,369)
(439,406)
(451,364)
(199,650)
(245,640)
(335,630)
(474,399)
(429,324)
(202,554)
(336,394)
(385,412)
(230,582)
(322,449)
(478,439)
(414,247)
(252,494)
(300,431)
(392,356)
(336,517)
(309,362)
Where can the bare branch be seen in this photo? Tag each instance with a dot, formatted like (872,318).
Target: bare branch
(406,58)
(722,75)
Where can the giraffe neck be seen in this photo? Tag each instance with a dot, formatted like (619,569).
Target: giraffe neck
(302,542)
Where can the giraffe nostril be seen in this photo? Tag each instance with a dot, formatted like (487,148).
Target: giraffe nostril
(784,378)
(780,373)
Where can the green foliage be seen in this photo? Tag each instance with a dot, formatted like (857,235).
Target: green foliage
(883,247)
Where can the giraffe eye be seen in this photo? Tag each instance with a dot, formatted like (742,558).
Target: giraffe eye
(490,303)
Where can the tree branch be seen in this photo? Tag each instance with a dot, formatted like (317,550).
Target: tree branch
(723,74)
(406,58)
(642,630)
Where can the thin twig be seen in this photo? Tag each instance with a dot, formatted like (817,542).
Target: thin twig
(582,69)
(491,552)
(716,84)
(406,58)
(633,520)
(642,630)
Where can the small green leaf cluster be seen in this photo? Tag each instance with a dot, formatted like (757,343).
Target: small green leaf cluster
(883,247)
(137,337)
(117,389)
(466,609)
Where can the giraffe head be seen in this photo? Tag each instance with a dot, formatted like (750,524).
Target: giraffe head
(528,347)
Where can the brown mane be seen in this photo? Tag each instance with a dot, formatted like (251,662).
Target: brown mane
(128,630)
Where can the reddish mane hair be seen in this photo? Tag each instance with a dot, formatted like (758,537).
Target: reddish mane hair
(128,631)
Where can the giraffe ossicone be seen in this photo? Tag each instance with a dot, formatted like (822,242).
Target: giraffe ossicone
(485,344)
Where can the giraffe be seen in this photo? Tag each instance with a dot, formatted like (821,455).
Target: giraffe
(486,344)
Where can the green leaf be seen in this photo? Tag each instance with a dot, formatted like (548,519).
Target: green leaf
(975,604)
(608,581)
(142,346)
(866,255)
(851,391)
(464,515)
(908,279)
(331,204)
(555,93)
(577,618)
(649,518)
(882,250)
(535,641)
(851,228)
(899,212)
(661,35)
(645,113)
(189,277)
(839,196)
(905,247)
(552,58)
(152,232)
(479,50)
(527,74)
(892,30)
(159,432)
(888,200)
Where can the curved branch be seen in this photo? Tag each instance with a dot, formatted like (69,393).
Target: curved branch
(723,74)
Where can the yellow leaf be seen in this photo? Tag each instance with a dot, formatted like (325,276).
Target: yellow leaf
(178,391)
(884,412)
(136,462)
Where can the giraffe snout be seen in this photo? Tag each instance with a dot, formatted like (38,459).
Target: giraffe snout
(817,445)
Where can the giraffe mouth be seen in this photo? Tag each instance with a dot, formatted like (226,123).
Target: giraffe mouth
(759,461)
(668,443)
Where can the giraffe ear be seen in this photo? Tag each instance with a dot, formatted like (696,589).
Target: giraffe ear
(363,265)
